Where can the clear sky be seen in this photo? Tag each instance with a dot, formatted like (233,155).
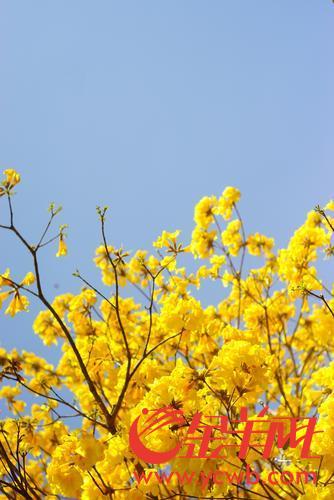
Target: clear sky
(149,105)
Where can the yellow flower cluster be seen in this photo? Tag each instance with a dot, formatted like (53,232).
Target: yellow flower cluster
(18,301)
(157,338)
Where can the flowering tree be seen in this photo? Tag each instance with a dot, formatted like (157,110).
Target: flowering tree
(265,348)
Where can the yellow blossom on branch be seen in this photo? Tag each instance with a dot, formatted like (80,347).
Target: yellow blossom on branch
(246,330)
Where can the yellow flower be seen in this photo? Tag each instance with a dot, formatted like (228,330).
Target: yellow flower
(228,199)
(90,451)
(258,243)
(231,237)
(243,367)
(204,211)
(65,479)
(4,296)
(29,279)
(18,303)
(62,247)
(12,178)
(47,328)
(330,206)
(167,240)
(202,242)
(4,279)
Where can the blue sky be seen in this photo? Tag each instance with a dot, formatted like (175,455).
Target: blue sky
(147,106)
